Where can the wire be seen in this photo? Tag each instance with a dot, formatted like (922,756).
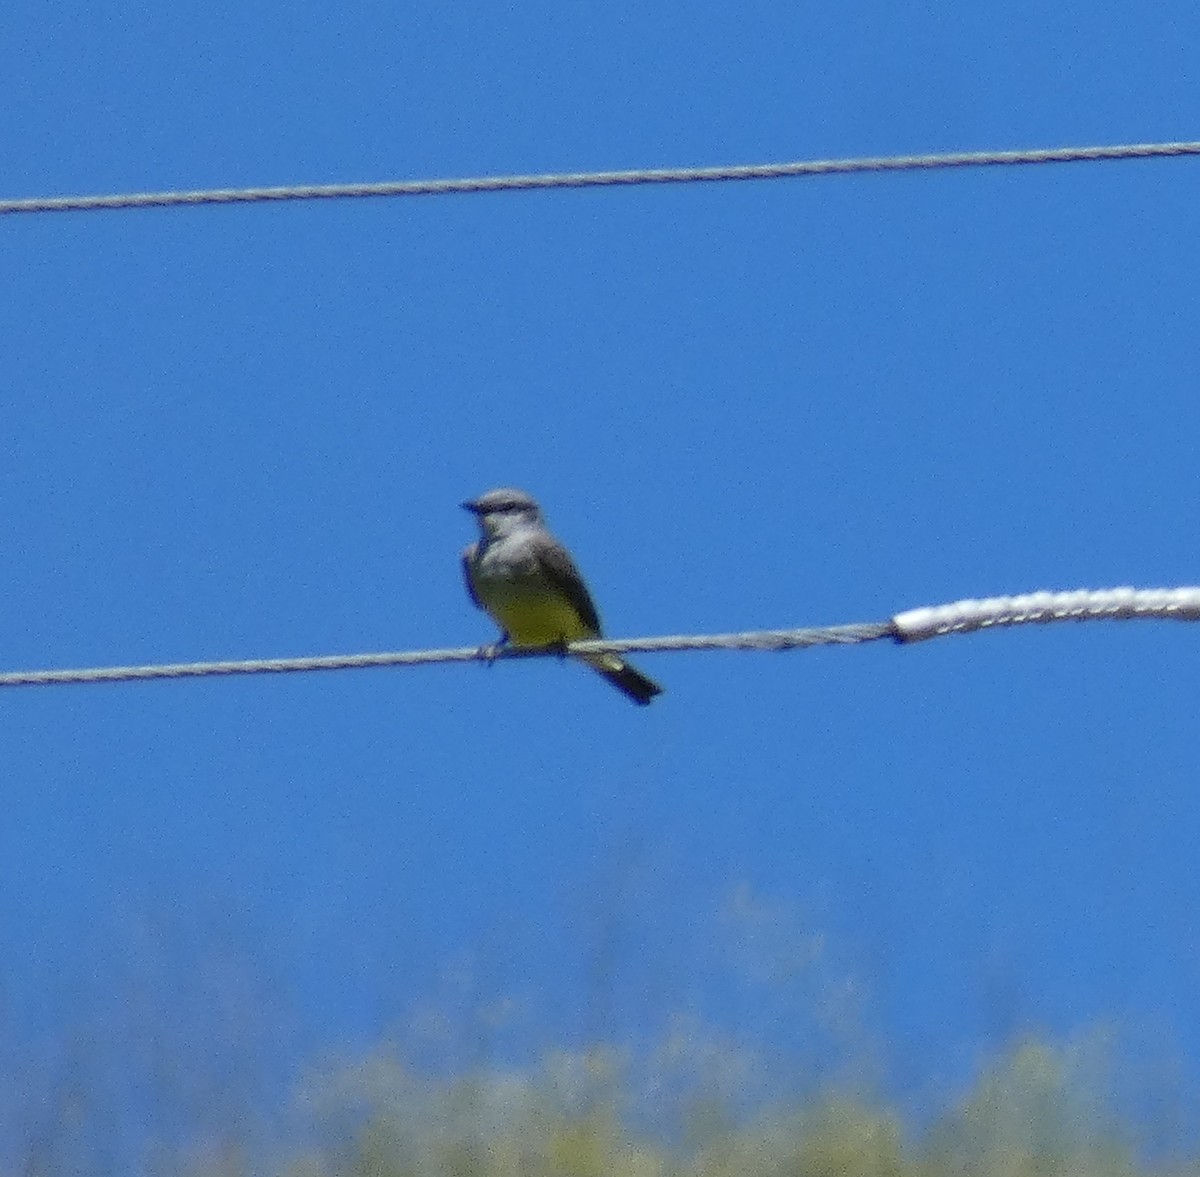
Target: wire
(687,175)
(783,639)
(1117,604)
(1180,604)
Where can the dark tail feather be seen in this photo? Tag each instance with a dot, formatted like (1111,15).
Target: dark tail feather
(626,679)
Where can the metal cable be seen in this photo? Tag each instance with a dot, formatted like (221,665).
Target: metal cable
(782,639)
(685,175)
(1116,604)
(1178,604)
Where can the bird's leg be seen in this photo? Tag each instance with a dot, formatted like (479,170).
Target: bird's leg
(492,652)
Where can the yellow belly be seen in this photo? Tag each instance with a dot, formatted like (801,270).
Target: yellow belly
(541,622)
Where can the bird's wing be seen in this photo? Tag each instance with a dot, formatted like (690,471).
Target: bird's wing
(468,562)
(559,569)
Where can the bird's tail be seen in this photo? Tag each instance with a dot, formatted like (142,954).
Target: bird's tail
(624,677)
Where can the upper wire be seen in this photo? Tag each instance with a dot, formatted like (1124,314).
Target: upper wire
(682,175)
(914,625)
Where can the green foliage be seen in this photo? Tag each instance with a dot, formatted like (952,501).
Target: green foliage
(176,1074)
(1040,1111)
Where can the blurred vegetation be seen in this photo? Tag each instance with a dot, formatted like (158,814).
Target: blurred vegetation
(1038,1111)
(177,1061)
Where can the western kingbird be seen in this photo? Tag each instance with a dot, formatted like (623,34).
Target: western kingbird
(527,582)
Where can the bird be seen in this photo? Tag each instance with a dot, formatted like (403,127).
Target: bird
(526,581)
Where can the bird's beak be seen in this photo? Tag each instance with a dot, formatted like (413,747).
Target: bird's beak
(470,505)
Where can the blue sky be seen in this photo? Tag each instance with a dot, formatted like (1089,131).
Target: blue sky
(244,432)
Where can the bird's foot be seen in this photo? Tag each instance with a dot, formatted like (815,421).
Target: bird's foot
(492,652)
